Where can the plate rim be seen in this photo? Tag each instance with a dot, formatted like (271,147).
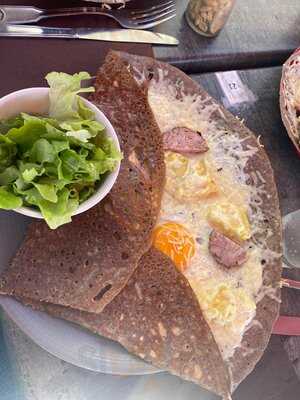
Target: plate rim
(6,303)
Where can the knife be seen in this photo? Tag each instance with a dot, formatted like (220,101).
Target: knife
(107,35)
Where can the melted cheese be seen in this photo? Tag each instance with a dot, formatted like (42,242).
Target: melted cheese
(227,297)
(230,220)
(188,179)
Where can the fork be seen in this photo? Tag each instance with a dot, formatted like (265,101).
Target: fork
(127,18)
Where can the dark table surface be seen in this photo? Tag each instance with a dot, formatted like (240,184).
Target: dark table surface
(275,377)
(24,62)
(259,33)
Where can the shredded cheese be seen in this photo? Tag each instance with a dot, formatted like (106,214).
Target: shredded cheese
(227,160)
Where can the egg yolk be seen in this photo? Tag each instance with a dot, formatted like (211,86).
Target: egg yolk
(176,242)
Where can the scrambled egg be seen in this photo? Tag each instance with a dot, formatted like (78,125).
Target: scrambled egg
(187,179)
(231,220)
(222,302)
(227,309)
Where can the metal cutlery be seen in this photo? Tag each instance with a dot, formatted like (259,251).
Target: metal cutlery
(111,35)
(127,18)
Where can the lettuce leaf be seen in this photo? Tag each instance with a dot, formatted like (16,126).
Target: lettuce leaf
(8,151)
(83,135)
(5,126)
(58,213)
(9,175)
(59,146)
(31,197)
(29,174)
(26,136)
(8,200)
(41,152)
(47,191)
(64,89)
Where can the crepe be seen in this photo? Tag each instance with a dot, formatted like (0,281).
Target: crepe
(154,77)
(86,263)
(157,317)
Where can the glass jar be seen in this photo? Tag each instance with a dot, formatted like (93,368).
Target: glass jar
(208,17)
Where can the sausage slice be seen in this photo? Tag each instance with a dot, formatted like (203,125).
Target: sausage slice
(184,140)
(225,251)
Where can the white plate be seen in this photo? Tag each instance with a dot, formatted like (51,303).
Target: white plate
(35,100)
(65,340)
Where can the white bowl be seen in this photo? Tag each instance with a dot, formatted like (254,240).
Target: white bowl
(36,101)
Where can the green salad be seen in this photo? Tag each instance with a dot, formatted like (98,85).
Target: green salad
(53,163)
